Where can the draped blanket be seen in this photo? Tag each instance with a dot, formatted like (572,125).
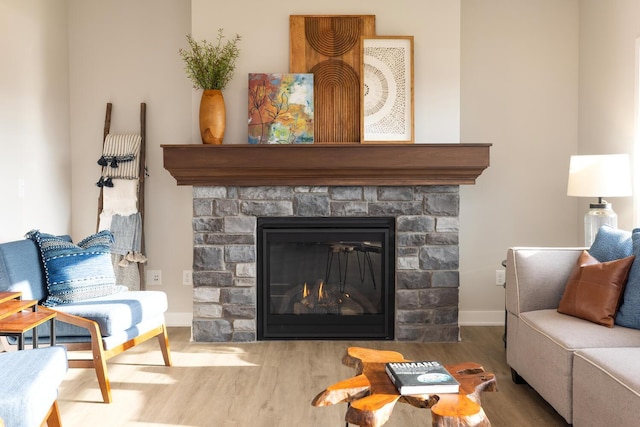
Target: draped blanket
(121,156)
(119,180)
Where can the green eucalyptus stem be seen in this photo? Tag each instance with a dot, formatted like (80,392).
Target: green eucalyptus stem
(208,65)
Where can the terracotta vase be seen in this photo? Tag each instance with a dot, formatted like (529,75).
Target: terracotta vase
(212,116)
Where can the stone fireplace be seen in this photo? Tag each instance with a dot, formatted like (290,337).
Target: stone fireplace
(426,261)
(415,185)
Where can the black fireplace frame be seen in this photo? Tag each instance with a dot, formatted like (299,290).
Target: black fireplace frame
(317,326)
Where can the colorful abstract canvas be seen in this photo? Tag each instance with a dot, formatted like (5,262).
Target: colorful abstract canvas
(281,108)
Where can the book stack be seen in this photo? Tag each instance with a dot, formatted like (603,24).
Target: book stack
(423,377)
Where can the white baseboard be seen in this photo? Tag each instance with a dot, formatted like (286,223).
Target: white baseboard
(178,319)
(481,318)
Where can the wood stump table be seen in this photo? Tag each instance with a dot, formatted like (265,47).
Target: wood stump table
(372,396)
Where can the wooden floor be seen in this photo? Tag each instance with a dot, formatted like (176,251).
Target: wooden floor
(271,384)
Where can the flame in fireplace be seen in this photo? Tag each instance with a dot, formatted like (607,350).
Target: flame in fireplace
(321,294)
(305,290)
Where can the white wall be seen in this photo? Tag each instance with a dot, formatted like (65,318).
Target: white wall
(519,90)
(34,118)
(608,33)
(126,53)
(435,25)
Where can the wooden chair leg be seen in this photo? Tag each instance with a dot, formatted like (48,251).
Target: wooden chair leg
(100,362)
(163,339)
(53,417)
(100,365)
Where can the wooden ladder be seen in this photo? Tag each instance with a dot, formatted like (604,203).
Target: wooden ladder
(141,175)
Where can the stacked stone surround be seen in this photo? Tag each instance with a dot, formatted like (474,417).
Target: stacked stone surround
(224,253)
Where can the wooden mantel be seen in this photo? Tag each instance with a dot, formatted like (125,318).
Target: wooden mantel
(326,164)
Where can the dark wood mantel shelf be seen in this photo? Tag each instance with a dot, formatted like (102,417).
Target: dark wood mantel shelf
(326,164)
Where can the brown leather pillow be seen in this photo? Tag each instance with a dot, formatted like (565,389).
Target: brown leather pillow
(594,289)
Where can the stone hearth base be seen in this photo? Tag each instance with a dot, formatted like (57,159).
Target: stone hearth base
(224,253)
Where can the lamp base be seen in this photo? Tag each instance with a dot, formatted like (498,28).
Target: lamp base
(599,214)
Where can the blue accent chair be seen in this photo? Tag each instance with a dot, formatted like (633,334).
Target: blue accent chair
(29,382)
(107,326)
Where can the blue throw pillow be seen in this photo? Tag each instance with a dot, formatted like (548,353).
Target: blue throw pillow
(629,313)
(611,244)
(76,272)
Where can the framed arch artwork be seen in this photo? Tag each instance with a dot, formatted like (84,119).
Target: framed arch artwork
(387,90)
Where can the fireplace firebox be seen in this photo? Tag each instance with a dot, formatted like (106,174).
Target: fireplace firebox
(325,278)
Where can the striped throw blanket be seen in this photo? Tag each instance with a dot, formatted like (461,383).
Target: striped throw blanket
(121,156)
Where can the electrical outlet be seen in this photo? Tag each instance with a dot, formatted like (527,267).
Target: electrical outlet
(187,277)
(154,277)
(500,277)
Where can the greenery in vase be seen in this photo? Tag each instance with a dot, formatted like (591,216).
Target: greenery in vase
(208,65)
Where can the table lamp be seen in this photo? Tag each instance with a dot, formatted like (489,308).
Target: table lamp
(606,175)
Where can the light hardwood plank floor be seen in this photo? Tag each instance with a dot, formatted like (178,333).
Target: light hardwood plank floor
(272,383)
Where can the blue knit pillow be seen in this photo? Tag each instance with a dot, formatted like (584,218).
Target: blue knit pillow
(611,244)
(629,313)
(76,272)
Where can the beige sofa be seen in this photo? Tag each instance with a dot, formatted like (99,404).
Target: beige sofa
(589,373)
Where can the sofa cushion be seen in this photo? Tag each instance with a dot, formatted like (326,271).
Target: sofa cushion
(29,385)
(76,272)
(629,312)
(573,333)
(611,244)
(606,387)
(594,289)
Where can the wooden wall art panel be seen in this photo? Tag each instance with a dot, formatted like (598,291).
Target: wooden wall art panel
(329,47)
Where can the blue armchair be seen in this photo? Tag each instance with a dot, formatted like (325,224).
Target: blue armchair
(106,325)
(29,383)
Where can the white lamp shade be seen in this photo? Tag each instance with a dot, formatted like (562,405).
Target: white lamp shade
(606,175)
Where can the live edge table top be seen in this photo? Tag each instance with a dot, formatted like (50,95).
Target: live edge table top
(372,396)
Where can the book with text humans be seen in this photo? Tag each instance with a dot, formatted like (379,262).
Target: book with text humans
(423,377)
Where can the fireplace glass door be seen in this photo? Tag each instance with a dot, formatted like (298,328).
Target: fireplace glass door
(326,278)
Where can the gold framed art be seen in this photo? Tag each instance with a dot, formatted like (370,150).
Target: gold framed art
(386,90)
